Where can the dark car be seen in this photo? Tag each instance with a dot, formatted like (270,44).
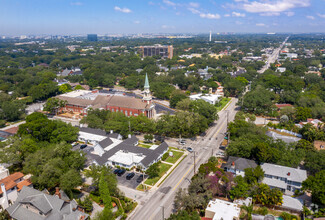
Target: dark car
(140,179)
(189,149)
(83,146)
(121,172)
(116,171)
(130,176)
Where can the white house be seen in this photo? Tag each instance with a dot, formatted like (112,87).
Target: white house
(110,149)
(287,179)
(222,210)
(210,98)
(237,165)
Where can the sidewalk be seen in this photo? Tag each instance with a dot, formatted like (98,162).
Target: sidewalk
(169,171)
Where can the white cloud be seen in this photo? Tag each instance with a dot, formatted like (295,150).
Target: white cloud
(194,4)
(227,15)
(136,22)
(210,16)
(310,17)
(169,3)
(76,3)
(270,14)
(124,10)
(204,15)
(194,11)
(237,14)
(241,0)
(260,25)
(238,22)
(290,13)
(321,15)
(151,3)
(263,6)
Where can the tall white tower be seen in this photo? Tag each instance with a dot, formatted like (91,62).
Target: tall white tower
(147,95)
(210,38)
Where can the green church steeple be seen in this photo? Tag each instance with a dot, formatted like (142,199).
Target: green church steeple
(146,83)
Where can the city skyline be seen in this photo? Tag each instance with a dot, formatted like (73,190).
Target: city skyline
(162,16)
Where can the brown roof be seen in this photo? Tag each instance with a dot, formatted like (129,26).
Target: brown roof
(12,130)
(9,181)
(23,183)
(283,105)
(76,101)
(101,101)
(127,102)
(319,145)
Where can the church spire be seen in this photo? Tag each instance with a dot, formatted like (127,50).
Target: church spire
(147,96)
(146,83)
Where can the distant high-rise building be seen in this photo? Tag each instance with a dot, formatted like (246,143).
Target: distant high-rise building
(157,50)
(210,38)
(92,37)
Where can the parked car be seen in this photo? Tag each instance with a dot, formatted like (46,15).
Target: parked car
(140,178)
(130,176)
(220,154)
(116,171)
(121,172)
(83,146)
(189,149)
(182,142)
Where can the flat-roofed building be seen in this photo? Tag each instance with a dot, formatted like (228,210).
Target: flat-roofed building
(165,51)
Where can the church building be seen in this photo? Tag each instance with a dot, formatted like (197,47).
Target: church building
(79,102)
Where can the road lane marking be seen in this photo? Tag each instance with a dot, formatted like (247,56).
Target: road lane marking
(193,164)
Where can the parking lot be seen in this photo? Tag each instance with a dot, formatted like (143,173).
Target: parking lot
(132,183)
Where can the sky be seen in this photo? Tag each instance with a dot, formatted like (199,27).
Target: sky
(66,17)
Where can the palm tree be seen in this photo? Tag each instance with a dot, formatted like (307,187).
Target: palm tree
(249,211)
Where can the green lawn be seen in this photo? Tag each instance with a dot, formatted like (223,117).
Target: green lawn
(144,145)
(175,148)
(223,102)
(163,169)
(176,156)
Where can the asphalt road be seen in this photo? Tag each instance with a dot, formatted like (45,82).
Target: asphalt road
(159,203)
(273,57)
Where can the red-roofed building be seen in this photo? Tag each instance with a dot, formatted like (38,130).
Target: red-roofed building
(281,106)
(10,186)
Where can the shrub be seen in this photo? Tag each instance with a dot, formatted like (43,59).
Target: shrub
(165,156)
(261,211)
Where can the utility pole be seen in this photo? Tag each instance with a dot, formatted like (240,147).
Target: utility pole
(163,212)
(129,127)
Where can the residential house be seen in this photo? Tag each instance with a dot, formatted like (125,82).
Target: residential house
(210,98)
(319,145)
(10,186)
(281,69)
(287,179)
(222,210)
(237,165)
(204,74)
(283,105)
(110,149)
(37,205)
(4,135)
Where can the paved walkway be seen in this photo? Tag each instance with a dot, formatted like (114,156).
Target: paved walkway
(168,172)
(13,125)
